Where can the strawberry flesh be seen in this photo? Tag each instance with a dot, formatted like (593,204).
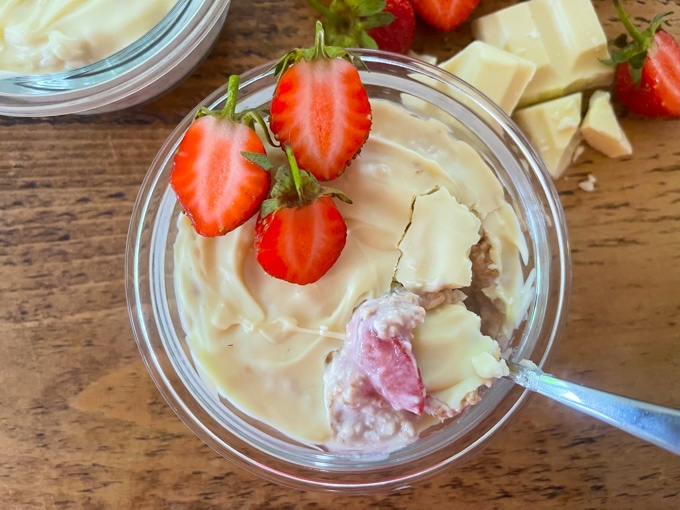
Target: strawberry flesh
(215,185)
(321,108)
(379,336)
(300,244)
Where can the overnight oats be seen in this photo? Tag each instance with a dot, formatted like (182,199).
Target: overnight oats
(406,327)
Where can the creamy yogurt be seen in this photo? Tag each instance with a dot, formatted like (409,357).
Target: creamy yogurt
(46,36)
(266,344)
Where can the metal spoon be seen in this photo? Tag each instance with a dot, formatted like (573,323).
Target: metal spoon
(656,424)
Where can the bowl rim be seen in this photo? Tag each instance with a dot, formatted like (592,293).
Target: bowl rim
(560,281)
(123,74)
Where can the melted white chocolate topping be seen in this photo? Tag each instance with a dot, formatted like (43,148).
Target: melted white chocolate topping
(264,343)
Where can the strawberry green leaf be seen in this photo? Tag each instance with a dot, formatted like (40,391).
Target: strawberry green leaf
(366,41)
(378,20)
(366,7)
(319,50)
(259,159)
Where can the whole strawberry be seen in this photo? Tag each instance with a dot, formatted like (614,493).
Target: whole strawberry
(444,15)
(299,233)
(376,24)
(647,78)
(320,107)
(217,187)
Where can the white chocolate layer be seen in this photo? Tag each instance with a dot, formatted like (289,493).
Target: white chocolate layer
(263,343)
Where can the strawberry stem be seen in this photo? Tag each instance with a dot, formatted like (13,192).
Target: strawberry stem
(229,109)
(325,11)
(294,170)
(635,34)
(633,53)
(319,42)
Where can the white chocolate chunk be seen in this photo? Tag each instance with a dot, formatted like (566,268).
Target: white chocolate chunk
(553,128)
(601,129)
(500,75)
(437,220)
(454,357)
(563,38)
(588,184)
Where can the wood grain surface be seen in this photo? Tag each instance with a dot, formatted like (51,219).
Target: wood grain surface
(83,426)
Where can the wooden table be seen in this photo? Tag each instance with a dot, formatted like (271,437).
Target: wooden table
(82,425)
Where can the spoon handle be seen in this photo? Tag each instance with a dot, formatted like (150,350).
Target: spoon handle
(656,424)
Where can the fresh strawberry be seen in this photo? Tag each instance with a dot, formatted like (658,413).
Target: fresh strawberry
(299,233)
(647,77)
(376,24)
(444,15)
(216,186)
(398,35)
(320,107)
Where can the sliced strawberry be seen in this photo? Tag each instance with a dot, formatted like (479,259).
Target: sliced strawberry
(444,15)
(320,107)
(648,69)
(376,24)
(299,233)
(216,186)
(379,337)
(300,244)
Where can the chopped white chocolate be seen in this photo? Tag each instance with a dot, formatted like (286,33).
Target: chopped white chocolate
(437,220)
(588,184)
(500,75)
(452,370)
(563,38)
(553,128)
(601,129)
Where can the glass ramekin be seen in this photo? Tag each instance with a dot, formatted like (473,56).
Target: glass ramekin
(251,445)
(147,68)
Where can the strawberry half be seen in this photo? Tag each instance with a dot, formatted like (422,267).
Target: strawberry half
(647,77)
(216,186)
(320,107)
(299,233)
(444,15)
(375,24)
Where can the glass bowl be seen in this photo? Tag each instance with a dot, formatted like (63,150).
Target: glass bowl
(251,445)
(147,68)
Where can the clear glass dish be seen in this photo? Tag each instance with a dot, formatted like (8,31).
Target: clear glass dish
(253,446)
(138,73)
